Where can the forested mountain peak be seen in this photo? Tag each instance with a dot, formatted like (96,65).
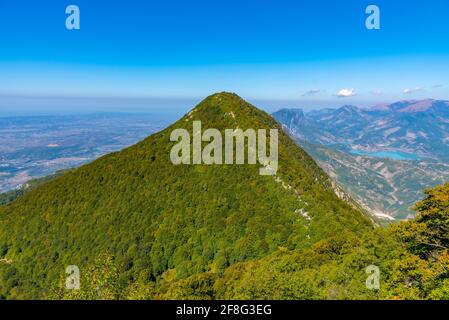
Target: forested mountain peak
(154,217)
(224,108)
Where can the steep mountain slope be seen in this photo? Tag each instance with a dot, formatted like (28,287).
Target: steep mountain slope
(153,216)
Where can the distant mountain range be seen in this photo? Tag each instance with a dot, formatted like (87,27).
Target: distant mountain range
(365,149)
(417,128)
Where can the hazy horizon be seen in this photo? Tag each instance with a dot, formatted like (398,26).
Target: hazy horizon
(34,105)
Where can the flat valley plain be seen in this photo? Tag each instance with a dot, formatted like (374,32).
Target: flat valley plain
(34,147)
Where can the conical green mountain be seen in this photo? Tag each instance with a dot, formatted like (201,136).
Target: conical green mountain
(153,216)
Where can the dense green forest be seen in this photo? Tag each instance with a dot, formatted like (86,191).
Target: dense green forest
(412,256)
(140,227)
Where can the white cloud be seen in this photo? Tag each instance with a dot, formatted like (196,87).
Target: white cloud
(343,93)
(412,90)
(311,92)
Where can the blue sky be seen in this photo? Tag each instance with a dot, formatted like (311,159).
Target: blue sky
(277,53)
